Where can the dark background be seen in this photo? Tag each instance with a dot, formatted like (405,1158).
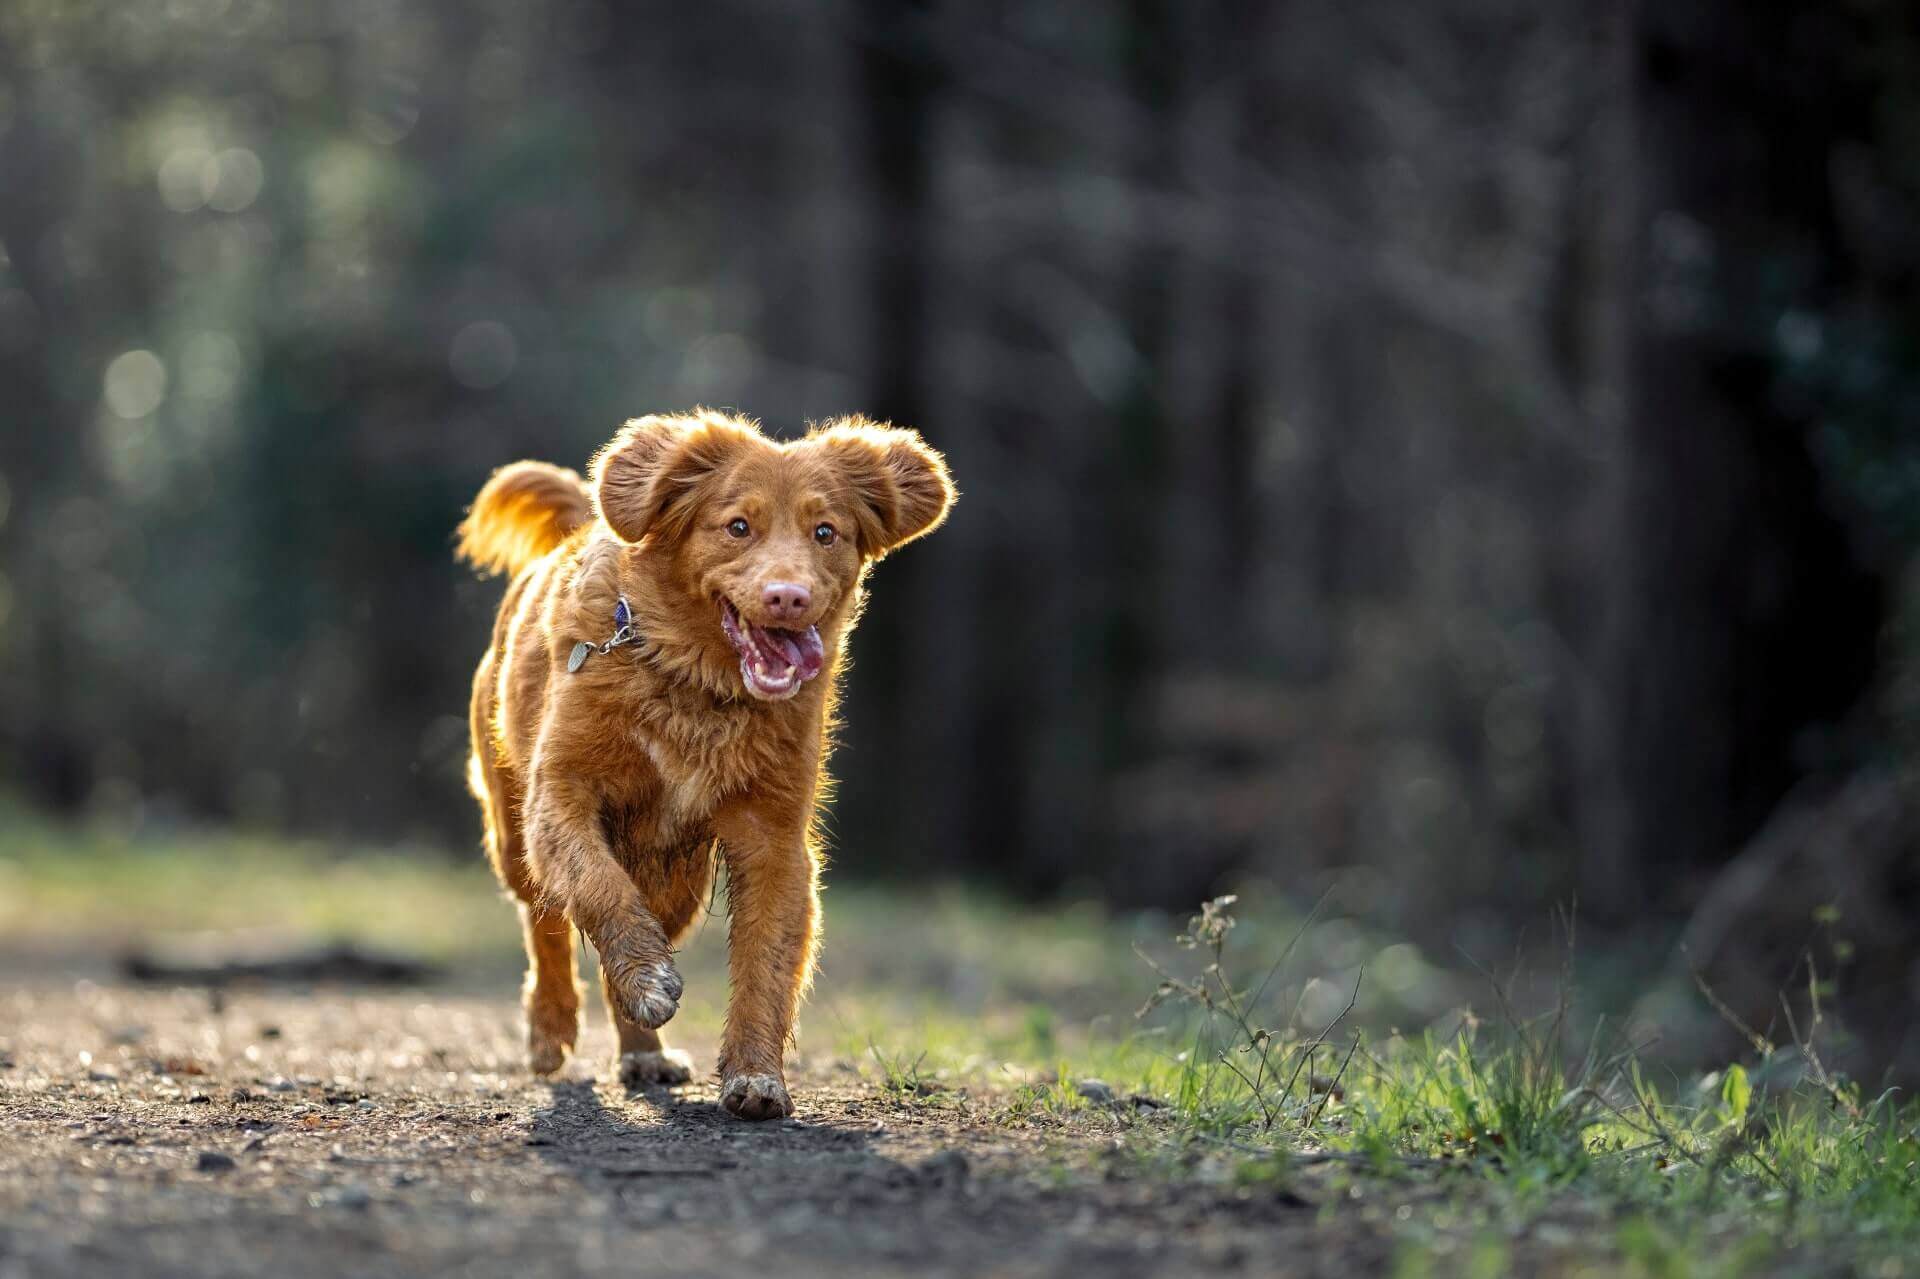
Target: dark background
(1467,450)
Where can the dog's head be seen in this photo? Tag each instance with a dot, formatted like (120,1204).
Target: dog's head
(768,539)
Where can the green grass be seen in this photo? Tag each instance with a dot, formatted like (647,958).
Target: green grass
(1266,1054)
(1718,1174)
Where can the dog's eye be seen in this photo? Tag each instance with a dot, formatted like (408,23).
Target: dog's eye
(737,528)
(825,534)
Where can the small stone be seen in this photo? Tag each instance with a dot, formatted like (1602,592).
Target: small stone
(199,1099)
(214,1161)
(1097,1091)
(280,1083)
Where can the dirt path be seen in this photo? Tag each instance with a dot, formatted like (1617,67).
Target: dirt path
(151,1132)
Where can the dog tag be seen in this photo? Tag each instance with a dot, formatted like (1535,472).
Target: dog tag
(579,657)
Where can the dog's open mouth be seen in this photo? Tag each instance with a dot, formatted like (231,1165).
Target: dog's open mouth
(774,662)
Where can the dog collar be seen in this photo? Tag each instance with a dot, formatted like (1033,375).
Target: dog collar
(623,633)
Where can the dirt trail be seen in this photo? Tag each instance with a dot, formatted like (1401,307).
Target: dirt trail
(150,1132)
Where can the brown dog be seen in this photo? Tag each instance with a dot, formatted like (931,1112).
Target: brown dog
(659,694)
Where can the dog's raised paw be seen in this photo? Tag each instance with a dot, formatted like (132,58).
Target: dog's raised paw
(643,1069)
(651,993)
(755,1097)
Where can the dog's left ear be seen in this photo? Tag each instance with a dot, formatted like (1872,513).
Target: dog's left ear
(901,487)
(648,478)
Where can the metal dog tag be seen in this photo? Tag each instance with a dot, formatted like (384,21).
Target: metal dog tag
(579,657)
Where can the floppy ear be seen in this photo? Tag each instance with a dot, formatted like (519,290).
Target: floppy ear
(648,478)
(900,486)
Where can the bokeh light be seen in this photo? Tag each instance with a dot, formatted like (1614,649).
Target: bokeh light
(135,384)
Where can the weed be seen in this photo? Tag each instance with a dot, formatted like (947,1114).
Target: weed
(910,1081)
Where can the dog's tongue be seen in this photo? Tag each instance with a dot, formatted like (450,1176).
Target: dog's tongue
(802,649)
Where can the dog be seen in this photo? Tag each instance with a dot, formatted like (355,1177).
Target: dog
(658,699)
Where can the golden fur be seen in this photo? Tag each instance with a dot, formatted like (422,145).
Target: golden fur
(609,794)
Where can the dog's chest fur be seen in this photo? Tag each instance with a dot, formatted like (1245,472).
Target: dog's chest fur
(702,751)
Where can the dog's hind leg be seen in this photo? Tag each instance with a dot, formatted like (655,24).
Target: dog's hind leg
(552,996)
(552,993)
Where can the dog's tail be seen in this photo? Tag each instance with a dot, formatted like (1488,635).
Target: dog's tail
(525,510)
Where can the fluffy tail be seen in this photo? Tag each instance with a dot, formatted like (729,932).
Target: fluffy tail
(525,510)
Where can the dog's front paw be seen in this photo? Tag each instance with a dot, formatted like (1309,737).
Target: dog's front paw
(649,992)
(755,1097)
(642,1069)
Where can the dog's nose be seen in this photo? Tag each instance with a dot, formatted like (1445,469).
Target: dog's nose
(786,601)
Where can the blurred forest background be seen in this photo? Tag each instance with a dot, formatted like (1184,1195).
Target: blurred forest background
(1468,449)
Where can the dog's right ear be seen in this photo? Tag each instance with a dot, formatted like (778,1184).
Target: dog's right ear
(649,477)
